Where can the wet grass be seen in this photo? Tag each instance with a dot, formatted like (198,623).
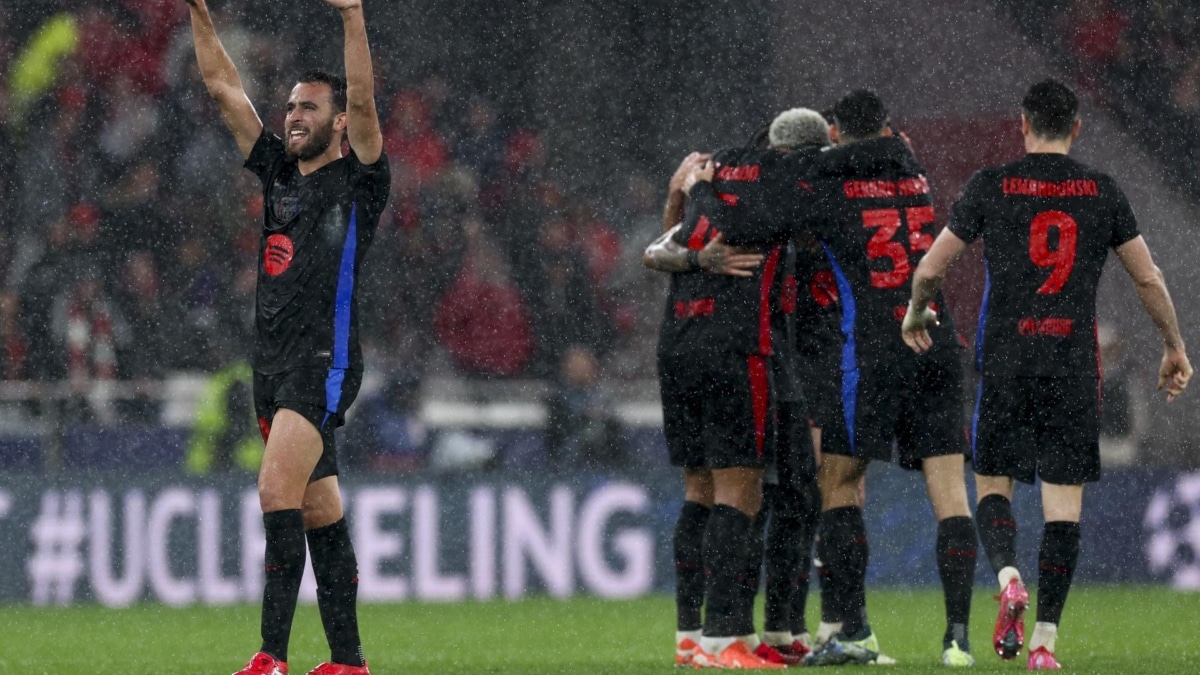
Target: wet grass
(1106,630)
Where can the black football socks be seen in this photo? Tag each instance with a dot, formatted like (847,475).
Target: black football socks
(725,542)
(782,549)
(810,519)
(336,569)
(997,531)
(750,577)
(689,565)
(800,588)
(844,549)
(788,557)
(1056,566)
(831,586)
(284,562)
(956,554)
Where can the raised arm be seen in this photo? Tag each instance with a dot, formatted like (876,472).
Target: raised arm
(1175,370)
(222,79)
(362,123)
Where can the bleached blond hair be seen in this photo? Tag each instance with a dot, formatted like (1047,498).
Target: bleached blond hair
(798,126)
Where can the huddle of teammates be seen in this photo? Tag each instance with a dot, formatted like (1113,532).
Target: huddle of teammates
(805,335)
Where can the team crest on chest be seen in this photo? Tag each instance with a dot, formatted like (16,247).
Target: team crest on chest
(277,254)
(286,206)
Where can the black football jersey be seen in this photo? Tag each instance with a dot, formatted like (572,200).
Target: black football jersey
(818,315)
(689,302)
(1047,224)
(315,233)
(783,322)
(872,211)
(747,188)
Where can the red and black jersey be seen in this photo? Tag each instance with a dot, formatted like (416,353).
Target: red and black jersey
(745,190)
(315,232)
(1047,224)
(872,211)
(818,314)
(689,302)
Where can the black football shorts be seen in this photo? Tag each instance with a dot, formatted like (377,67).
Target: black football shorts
(1038,427)
(321,396)
(718,411)
(914,404)
(820,376)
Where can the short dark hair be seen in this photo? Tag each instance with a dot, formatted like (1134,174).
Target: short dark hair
(336,83)
(860,114)
(1051,108)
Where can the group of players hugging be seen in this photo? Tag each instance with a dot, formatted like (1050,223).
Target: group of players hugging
(804,336)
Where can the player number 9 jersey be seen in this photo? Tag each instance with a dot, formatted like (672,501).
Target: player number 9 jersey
(1047,224)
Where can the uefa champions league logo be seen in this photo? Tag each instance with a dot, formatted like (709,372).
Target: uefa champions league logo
(1173,528)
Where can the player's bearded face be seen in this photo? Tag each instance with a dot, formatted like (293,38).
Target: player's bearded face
(307,143)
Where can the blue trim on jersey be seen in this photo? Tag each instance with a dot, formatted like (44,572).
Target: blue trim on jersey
(344,298)
(343,302)
(983,309)
(333,392)
(975,419)
(849,347)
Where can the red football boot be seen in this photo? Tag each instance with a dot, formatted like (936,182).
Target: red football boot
(1042,659)
(1009,635)
(263,663)
(793,654)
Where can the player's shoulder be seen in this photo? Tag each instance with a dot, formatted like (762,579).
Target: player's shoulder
(742,165)
(353,161)
(987,179)
(733,155)
(268,139)
(802,158)
(882,156)
(268,150)
(1107,183)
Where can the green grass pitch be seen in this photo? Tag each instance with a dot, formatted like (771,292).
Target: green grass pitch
(1106,630)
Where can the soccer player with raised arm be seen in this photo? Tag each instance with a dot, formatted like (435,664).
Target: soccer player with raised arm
(1047,224)
(320,211)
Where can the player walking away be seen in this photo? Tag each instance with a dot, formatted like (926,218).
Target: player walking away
(320,212)
(871,210)
(1047,223)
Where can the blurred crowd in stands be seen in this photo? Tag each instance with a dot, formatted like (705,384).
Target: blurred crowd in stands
(129,232)
(1139,59)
